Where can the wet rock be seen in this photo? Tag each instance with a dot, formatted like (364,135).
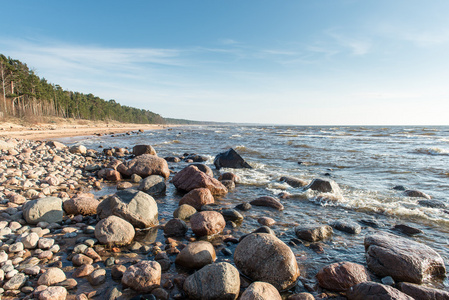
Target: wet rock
(243,206)
(81,206)
(313,233)
(416,194)
(51,277)
(268,202)
(230,185)
(197,198)
(175,227)
(203,168)
(113,175)
(261,290)
(263,257)
(53,293)
(47,209)
(399,188)
(232,215)
(145,165)
(138,208)
(173,159)
(143,149)
(219,281)
(293,182)
(143,276)
(301,296)
(195,158)
(83,270)
(432,203)
(191,178)
(207,223)
(422,292)
(371,223)
(375,291)
(114,231)
(124,185)
(407,229)
(347,226)
(403,259)
(16,282)
(265,221)
(387,280)
(229,176)
(184,212)
(196,255)
(117,271)
(341,276)
(153,185)
(230,159)
(324,186)
(97,277)
(81,259)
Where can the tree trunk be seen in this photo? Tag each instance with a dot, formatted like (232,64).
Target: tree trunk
(3,86)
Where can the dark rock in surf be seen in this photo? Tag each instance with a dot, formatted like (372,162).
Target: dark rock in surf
(195,158)
(313,233)
(203,168)
(229,176)
(324,186)
(347,226)
(416,194)
(268,202)
(402,259)
(375,291)
(230,159)
(341,276)
(293,182)
(399,188)
(432,203)
(243,206)
(421,292)
(153,185)
(407,229)
(143,149)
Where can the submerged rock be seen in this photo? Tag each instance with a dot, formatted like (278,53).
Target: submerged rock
(416,194)
(230,159)
(293,182)
(268,202)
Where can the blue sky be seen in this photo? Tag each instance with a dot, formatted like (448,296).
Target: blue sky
(329,62)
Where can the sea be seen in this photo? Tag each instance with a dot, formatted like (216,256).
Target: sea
(367,162)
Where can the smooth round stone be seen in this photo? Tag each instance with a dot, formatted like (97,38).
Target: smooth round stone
(97,277)
(46,243)
(33,271)
(30,241)
(16,247)
(80,248)
(52,276)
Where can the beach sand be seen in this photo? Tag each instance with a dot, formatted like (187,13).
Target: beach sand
(58,128)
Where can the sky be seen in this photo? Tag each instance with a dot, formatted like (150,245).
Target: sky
(327,62)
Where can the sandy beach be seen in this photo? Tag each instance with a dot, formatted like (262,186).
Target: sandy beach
(68,127)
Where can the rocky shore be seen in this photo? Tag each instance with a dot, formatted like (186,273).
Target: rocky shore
(61,241)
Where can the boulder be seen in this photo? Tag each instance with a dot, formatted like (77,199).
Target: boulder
(175,227)
(264,257)
(197,198)
(184,212)
(422,292)
(191,178)
(219,281)
(143,149)
(341,276)
(313,233)
(268,202)
(416,194)
(196,255)
(52,276)
(375,291)
(232,215)
(143,277)
(81,206)
(138,208)
(114,231)
(347,226)
(230,159)
(153,185)
(203,168)
(293,182)
(48,209)
(207,223)
(324,186)
(402,259)
(261,290)
(144,166)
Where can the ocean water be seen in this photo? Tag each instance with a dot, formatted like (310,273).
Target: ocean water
(366,162)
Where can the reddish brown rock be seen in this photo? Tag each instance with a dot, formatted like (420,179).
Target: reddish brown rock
(421,292)
(81,206)
(264,257)
(229,176)
(196,255)
(341,276)
(375,291)
(266,221)
(143,276)
(197,198)
(113,175)
(203,168)
(261,290)
(143,149)
(268,202)
(401,258)
(207,223)
(145,165)
(81,259)
(83,270)
(191,178)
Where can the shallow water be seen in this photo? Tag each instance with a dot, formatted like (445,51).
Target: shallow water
(366,162)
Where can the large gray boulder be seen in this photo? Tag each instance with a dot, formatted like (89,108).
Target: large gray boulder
(230,159)
(215,281)
(264,257)
(403,259)
(136,207)
(48,209)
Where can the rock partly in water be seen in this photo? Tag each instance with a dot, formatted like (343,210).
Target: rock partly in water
(196,255)
(324,186)
(153,185)
(421,292)
(313,233)
(261,290)
(416,194)
(184,212)
(143,277)
(203,168)
(48,209)
(403,259)
(143,149)
(191,178)
(341,276)
(207,223)
(406,229)
(219,281)
(175,227)
(230,159)
(136,207)
(293,182)
(197,198)
(347,226)
(375,291)
(114,231)
(268,202)
(144,166)
(263,257)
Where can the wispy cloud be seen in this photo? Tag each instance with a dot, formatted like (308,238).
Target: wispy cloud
(418,37)
(356,45)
